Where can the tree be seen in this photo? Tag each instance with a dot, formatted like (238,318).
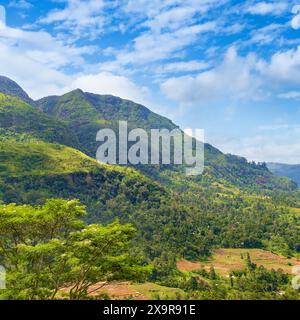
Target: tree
(250,265)
(47,249)
(212,273)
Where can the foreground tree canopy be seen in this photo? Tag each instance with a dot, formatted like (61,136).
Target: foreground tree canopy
(48,248)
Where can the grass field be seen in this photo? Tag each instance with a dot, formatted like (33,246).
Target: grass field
(226,260)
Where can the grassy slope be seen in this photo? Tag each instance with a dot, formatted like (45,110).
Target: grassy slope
(20,159)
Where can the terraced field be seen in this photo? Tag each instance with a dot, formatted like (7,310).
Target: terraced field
(226,260)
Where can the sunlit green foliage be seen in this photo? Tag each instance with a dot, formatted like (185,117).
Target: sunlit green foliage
(45,249)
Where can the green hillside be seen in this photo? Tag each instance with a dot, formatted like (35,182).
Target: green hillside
(86,113)
(19,159)
(10,87)
(292,171)
(22,121)
(37,163)
(31,172)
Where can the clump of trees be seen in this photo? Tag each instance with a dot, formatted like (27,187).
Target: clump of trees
(48,249)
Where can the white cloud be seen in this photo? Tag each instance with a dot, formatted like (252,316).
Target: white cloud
(265,35)
(46,80)
(151,46)
(182,66)
(154,7)
(43,80)
(108,83)
(167,29)
(42,47)
(264,8)
(234,79)
(239,78)
(38,59)
(2,16)
(272,127)
(295,23)
(20,4)
(283,69)
(278,145)
(171,19)
(79,17)
(290,95)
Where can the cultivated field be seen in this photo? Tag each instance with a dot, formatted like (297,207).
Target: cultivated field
(133,291)
(226,260)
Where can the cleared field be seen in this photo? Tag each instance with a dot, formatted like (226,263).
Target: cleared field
(118,291)
(226,260)
(155,291)
(134,291)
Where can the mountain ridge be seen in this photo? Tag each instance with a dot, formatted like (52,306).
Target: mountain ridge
(85,113)
(291,171)
(10,87)
(174,214)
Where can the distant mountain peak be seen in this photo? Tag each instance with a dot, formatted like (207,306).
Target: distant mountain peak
(75,91)
(10,87)
(291,171)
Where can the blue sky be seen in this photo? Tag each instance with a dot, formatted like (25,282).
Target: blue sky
(230,67)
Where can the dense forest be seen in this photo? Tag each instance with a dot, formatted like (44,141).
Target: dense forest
(60,207)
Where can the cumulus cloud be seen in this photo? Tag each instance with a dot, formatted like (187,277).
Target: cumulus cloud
(108,83)
(276,143)
(40,46)
(43,79)
(38,59)
(283,68)
(239,78)
(47,80)
(233,79)
(264,8)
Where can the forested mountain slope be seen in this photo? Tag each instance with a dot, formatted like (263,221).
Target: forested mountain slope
(86,113)
(21,121)
(10,87)
(74,119)
(291,171)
